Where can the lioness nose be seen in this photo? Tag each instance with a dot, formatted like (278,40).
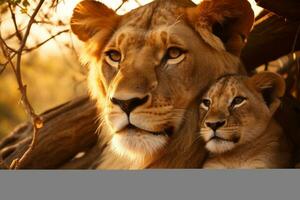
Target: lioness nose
(129,105)
(215,125)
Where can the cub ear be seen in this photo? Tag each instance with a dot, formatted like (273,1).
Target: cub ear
(230,21)
(90,17)
(271,86)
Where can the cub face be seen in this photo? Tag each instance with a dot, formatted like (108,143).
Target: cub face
(236,109)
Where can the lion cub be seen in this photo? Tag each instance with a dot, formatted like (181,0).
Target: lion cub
(237,122)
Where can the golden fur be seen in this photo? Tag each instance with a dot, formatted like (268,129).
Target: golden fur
(238,125)
(156,57)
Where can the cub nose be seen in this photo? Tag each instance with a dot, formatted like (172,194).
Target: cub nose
(215,125)
(129,105)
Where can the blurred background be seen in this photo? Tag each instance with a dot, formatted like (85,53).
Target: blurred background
(50,65)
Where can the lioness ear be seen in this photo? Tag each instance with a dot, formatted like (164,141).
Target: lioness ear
(271,86)
(229,20)
(89,17)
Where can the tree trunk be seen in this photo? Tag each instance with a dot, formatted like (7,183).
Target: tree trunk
(67,140)
(271,38)
(285,8)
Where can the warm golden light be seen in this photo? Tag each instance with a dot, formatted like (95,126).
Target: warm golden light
(64,11)
(66,7)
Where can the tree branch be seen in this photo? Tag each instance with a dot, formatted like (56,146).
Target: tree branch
(45,41)
(286,8)
(13,17)
(271,38)
(6,45)
(35,119)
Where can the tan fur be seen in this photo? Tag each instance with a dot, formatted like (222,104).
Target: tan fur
(209,13)
(143,36)
(254,139)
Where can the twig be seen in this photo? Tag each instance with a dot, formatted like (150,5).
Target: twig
(9,58)
(60,23)
(6,54)
(27,50)
(6,45)
(35,119)
(45,41)
(13,17)
(120,6)
(13,34)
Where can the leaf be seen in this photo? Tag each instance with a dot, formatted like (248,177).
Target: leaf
(24,10)
(25,3)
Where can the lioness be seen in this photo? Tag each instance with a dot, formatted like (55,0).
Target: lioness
(238,125)
(147,69)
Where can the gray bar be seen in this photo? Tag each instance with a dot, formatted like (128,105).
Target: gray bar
(151,184)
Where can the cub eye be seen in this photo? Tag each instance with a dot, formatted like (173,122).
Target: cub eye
(205,103)
(113,57)
(175,55)
(238,101)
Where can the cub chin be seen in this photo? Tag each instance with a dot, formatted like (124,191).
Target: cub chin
(237,123)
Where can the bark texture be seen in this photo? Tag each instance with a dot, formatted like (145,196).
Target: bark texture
(67,140)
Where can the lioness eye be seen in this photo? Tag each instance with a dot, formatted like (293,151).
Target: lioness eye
(113,57)
(174,52)
(205,103)
(174,55)
(237,101)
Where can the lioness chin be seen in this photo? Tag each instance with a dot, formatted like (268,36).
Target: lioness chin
(237,123)
(147,69)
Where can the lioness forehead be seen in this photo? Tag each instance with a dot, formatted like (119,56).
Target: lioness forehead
(157,13)
(149,23)
(160,35)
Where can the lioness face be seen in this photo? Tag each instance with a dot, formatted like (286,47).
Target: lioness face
(234,113)
(151,79)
